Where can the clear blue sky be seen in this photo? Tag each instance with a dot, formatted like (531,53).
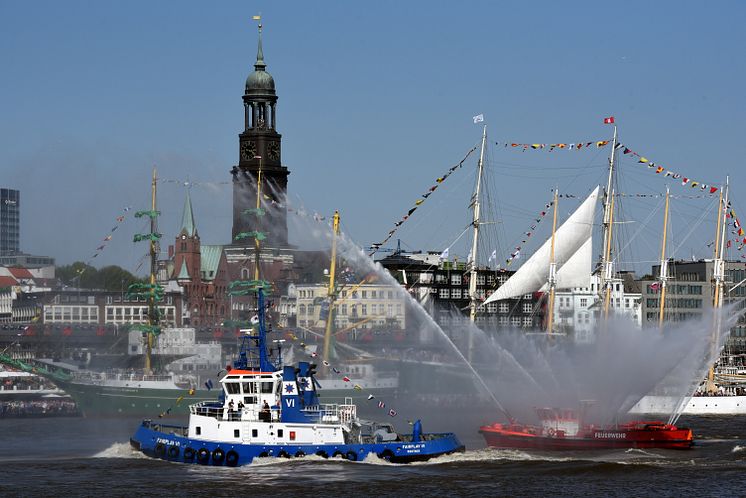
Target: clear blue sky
(375,101)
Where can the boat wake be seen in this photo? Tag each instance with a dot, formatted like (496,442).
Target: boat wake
(119,450)
(738,449)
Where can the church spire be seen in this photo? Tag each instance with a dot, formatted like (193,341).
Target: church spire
(260,65)
(187,217)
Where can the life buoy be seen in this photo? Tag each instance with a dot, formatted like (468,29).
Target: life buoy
(218,456)
(351,456)
(173,452)
(300,454)
(160,450)
(189,454)
(203,455)
(231,458)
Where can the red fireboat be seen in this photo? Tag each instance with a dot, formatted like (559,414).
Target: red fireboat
(563,430)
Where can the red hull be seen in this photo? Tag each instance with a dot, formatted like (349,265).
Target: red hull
(633,435)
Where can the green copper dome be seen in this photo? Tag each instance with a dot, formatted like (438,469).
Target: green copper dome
(260,80)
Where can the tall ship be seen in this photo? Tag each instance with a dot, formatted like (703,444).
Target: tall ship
(564,261)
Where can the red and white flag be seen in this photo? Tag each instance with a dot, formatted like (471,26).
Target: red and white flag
(609,120)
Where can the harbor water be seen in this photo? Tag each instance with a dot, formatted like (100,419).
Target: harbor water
(92,457)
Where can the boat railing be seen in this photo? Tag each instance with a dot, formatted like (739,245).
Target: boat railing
(218,411)
(122,376)
(177,430)
(333,413)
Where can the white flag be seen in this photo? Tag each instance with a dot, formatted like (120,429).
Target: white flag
(492,256)
(444,255)
(479,118)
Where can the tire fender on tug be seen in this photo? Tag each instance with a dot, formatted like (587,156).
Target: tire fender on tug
(231,458)
(218,456)
(173,452)
(189,454)
(160,450)
(203,455)
(352,456)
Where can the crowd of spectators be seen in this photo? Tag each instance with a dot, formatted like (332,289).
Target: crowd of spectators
(38,408)
(25,383)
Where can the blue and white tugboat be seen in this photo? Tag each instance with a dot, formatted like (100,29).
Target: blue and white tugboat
(267,410)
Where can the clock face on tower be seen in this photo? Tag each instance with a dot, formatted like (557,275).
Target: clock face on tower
(273,151)
(248,150)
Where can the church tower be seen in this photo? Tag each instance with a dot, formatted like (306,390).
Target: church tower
(260,149)
(187,264)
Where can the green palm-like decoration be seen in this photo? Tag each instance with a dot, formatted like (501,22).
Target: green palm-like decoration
(150,214)
(255,234)
(153,237)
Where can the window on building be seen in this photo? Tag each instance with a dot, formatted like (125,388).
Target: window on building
(515,321)
(456,279)
(363,310)
(527,321)
(455,293)
(583,302)
(504,307)
(444,293)
(527,307)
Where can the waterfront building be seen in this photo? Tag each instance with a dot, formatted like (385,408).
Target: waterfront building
(578,310)
(358,307)
(689,293)
(442,287)
(10,221)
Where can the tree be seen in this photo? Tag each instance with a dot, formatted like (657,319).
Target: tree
(110,278)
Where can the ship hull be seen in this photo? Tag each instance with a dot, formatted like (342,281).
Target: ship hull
(168,443)
(95,400)
(501,437)
(697,405)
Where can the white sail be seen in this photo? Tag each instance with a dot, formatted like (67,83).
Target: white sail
(571,238)
(576,272)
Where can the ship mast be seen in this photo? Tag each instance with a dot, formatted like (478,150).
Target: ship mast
(552,267)
(257,244)
(719,276)
(664,266)
(607,265)
(474,245)
(331,291)
(153,316)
